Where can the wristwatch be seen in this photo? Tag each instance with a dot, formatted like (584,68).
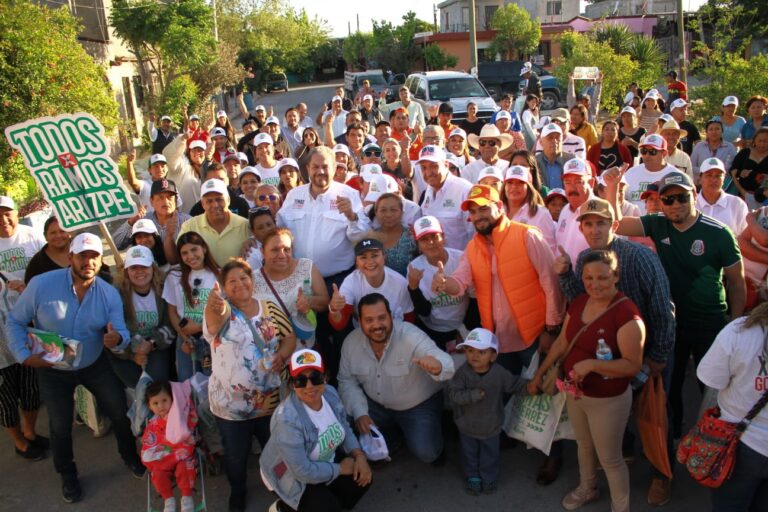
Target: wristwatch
(552,330)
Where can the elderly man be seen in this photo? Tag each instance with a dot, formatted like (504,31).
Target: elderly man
(676,157)
(223,231)
(305,121)
(552,157)
(490,142)
(162,137)
(390,376)
(237,204)
(571,143)
(653,150)
(642,279)
(443,197)
(578,184)
(186,169)
(415,112)
(74,303)
(19,392)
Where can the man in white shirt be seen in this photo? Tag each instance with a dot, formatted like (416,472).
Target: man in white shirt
(676,157)
(390,376)
(337,116)
(653,150)
(490,142)
(305,121)
(443,197)
(715,202)
(415,112)
(578,184)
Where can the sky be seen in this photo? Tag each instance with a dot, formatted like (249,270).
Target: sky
(346,11)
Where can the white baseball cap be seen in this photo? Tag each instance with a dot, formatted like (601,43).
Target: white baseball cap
(519,173)
(458,131)
(629,97)
(666,118)
(7,202)
(457,161)
(263,138)
(628,110)
(678,103)
(367,97)
(260,107)
(577,166)
(197,144)
(380,184)
(341,148)
(273,120)
(287,162)
(336,98)
(166,118)
(218,132)
(243,157)
(712,163)
(653,94)
(367,171)
(249,170)
(194,117)
(550,129)
(731,100)
(214,185)
(555,192)
(526,68)
(144,226)
(138,255)
(221,113)
(305,359)
(503,114)
(426,225)
(490,171)
(432,154)
(480,339)
(157,157)
(86,242)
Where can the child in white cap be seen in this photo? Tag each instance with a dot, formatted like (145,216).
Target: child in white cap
(477,393)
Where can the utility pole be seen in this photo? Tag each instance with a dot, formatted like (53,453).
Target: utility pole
(472,36)
(681,41)
(358,22)
(215,21)
(434,17)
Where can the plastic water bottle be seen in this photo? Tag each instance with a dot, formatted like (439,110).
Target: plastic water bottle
(306,287)
(603,352)
(641,378)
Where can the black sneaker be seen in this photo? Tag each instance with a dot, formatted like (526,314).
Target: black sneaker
(41,442)
(237,503)
(33,452)
(70,489)
(137,469)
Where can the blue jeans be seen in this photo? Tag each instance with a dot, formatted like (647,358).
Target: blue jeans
(237,437)
(480,457)
(747,488)
(57,389)
(420,426)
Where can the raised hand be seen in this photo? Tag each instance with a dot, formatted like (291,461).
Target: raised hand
(130,156)
(302,302)
(338,302)
(216,302)
(562,262)
(438,281)
(112,338)
(171,223)
(414,277)
(344,205)
(429,364)
(613,175)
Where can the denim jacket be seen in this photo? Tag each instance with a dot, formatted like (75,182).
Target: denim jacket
(285,462)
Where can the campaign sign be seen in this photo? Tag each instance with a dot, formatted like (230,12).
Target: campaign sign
(68,155)
(585,73)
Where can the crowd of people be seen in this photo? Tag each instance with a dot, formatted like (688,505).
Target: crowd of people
(365,270)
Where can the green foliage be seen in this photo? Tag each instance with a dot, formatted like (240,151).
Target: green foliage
(617,35)
(355,48)
(181,91)
(517,35)
(44,71)
(437,59)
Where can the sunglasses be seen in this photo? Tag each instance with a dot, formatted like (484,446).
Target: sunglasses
(195,287)
(491,143)
(652,152)
(271,197)
(669,200)
(372,153)
(259,209)
(315,377)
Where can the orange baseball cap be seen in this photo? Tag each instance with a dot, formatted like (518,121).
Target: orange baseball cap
(481,195)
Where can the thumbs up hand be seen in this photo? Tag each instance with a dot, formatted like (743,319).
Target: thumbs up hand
(216,302)
(414,277)
(439,280)
(337,300)
(112,338)
(302,302)
(562,262)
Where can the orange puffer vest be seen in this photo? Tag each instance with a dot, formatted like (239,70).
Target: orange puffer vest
(519,279)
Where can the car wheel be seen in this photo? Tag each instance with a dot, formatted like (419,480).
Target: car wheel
(550,101)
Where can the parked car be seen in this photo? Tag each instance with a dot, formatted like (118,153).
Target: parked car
(276,82)
(504,77)
(353,81)
(457,88)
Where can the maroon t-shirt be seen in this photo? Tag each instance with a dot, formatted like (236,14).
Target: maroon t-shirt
(606,327)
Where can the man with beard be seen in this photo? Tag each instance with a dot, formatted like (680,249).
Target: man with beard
(390,377)
(326,219)
(510,266)
(73,302)
(290,129)
(699,254)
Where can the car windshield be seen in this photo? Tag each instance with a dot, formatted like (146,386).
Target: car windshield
(455,88)
(376,80)
(275,76)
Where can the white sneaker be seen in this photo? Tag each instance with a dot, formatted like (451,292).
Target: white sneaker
(274,507)
(170,505)
(187,504)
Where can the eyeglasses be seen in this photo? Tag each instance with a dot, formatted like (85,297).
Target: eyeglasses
(315,377)
(652,152)
(491,143)
(669,200)
(271,197)
(372,153)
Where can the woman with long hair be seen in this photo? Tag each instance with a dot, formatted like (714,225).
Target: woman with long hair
(650,112)
(530,119)
(186,291)
(528,160)
(758,118)
(749,168)
(290,176)
(309,139)
(609,152)
(524,204)
(581,126)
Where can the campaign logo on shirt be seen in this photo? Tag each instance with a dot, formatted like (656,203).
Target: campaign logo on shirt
(449,203)
(298,204)
(697,248)
(13,260)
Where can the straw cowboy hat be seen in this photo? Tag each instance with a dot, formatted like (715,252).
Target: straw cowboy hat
(489,131)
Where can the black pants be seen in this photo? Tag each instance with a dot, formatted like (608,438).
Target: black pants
(328,339)
(342,494)
(18,388)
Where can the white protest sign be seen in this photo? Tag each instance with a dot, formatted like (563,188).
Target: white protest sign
(68,155)
(585,73)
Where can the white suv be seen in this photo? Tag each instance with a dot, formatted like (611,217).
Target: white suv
(456,88)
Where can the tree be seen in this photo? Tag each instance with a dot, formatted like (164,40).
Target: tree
(437,59)
(44,71)
(356,49)
(517,34)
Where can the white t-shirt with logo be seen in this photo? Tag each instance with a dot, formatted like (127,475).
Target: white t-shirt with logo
(568,235)
(200,282)
(447,312)
(638,178)
(17,250)
(331,432)
(394,288)
(737,365)
(445,204)
(147,316)
(268,175)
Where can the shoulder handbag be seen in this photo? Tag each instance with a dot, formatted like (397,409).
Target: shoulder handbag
(708,451)
(274,292)
(549,380)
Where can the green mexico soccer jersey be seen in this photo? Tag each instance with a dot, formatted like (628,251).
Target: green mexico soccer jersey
(694,260)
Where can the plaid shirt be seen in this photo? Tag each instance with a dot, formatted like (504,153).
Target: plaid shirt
(642,279)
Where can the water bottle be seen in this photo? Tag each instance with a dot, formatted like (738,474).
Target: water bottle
(641,378)
(306,287)
(603,352)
